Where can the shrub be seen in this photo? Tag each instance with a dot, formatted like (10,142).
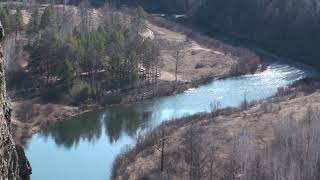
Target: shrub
(19,80)
(51,94)
(247,63)
(66,71)
(111,99)
(214,107)
(199,66)
(81,92)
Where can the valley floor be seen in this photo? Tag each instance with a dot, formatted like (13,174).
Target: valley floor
(198,65)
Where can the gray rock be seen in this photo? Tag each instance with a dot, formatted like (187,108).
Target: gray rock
(9,160)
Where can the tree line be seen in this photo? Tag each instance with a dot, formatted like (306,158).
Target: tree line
(85,62)
(156,6)
(12,21)
(289,28)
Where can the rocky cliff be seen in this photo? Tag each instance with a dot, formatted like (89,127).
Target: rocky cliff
(9,166)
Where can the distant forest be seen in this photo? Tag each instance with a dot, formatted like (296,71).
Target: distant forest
(287,27)
(155,6)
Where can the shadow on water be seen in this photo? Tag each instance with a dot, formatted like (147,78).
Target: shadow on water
(127,119)
(88,127)
(68,133)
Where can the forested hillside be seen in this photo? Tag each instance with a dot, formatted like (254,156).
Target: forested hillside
(287,27)
(82,55)
(155,6)
(168,6)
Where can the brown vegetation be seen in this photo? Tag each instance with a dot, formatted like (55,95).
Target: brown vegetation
(199,55)
(254,142)
(29,115)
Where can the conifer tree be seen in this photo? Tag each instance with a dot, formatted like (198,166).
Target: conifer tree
(5,20)
(34,23)
(48,17)
(17,23)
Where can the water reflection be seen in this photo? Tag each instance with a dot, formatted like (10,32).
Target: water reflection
(88,127)
(68,133)
(127,119)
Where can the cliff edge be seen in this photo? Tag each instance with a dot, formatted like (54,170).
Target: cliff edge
(12,157)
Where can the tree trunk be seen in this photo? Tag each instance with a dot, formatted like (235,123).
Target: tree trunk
(162,155)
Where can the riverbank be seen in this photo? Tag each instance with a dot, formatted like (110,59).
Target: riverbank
(198,65)
(217,131)
(29,114)
(201,56)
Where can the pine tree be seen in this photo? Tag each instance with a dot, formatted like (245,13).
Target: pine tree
(4,18)
(18,25)
(138,20)
(48,17)
(66,72)
(34,23)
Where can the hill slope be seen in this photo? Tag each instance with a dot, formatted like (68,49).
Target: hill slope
(287,27)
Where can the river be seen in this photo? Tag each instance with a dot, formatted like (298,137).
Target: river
(85,147)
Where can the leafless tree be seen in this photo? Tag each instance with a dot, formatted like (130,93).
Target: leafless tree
(85,15)
(293,154)
(178,54)
(160,145)
(67,19)
(107,15)
(214,107)
(177,60)
(212,151)
(245,103)
(194,153)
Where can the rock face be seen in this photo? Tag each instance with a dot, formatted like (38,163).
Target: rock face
(8,154)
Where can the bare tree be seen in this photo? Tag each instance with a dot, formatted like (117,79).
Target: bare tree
(232,166)
(293,154)
(194,153)
(67,20)
(214,107)
(212,151)
(177,60)
(85,15)
(160,145)
(178,54)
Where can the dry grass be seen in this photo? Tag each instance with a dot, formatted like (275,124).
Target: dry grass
(221,131)
(215,58)
(28,115)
